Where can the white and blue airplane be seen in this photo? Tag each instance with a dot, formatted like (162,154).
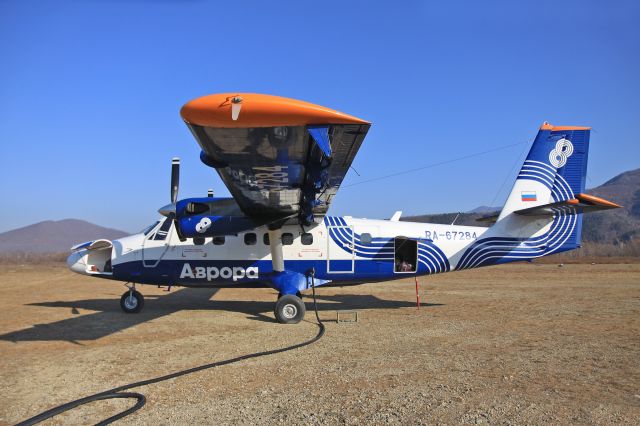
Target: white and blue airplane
(283,161)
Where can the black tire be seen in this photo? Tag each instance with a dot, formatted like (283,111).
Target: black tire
(290,309)
(132,305)
(297,294)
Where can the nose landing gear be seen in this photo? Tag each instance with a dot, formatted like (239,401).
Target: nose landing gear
(132,301)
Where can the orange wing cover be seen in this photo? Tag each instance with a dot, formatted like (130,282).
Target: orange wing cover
(256,110)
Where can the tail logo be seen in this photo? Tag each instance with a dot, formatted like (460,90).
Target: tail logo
(560,154)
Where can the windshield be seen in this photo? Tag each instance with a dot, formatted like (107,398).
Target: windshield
(149,228)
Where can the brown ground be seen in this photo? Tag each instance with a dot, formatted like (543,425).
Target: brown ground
(520,344)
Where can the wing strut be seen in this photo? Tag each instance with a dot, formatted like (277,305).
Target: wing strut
(275,244)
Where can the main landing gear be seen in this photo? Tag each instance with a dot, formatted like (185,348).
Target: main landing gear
(290,309)
(131,301)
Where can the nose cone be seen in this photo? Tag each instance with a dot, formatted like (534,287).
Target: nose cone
(168,210)
(77,262)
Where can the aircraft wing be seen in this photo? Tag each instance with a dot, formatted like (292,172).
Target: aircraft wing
(277,156)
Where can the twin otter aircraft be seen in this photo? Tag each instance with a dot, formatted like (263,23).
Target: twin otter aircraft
(283,161)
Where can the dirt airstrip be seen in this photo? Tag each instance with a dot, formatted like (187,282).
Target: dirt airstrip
(517,344)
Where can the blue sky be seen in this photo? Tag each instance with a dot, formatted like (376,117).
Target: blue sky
(90,93)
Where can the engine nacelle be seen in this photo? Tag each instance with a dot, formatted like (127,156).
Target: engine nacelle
(211,217)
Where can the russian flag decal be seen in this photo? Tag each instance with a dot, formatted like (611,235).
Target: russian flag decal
(529,196)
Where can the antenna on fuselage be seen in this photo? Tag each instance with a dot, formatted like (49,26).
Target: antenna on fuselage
(210,193)
(456,218)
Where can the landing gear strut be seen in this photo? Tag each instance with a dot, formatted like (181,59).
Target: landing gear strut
(132,301)
(289,309)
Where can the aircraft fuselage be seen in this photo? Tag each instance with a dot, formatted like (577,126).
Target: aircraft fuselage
(339,249)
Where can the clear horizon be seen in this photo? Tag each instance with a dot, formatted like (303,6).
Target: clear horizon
(90,94)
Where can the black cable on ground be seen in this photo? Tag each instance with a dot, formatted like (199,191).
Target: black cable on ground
(141,400)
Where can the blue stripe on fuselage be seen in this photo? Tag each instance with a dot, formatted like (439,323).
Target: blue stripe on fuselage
(235,272)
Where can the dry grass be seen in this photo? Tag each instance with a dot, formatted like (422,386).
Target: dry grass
(628,250)
(522,343)
(19,258)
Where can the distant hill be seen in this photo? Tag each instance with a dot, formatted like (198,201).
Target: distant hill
(484,210)
(619,225)
(607,227)
(54,236)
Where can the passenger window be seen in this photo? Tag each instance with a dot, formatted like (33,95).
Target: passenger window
(250,239)
(307,239)
(218,241)
(287,239)
(365,238)
(265,238)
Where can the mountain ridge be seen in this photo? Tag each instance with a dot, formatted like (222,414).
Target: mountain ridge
(616,226)
(52,236)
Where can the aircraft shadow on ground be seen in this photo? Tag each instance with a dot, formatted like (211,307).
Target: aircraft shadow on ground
(109,319)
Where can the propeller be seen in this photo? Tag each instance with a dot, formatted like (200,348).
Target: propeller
(175,179)
(170,209)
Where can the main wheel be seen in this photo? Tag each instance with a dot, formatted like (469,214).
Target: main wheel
(132,302)
(290,309)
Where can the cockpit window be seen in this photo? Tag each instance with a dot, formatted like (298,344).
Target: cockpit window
(149,228)
(164,230)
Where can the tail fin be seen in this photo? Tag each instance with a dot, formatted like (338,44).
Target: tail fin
(543,213)
(554,171)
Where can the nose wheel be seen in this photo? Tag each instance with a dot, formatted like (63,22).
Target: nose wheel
(131,301)
(289,309)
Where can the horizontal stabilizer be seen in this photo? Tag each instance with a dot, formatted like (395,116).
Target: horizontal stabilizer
(583,203)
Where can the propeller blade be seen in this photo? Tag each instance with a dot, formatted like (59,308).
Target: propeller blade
(175,179)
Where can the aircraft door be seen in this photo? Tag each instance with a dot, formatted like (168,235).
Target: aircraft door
(156,244)
(340,249)
(405,255)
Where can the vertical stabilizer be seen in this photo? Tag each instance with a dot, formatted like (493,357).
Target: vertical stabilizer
(555,169)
